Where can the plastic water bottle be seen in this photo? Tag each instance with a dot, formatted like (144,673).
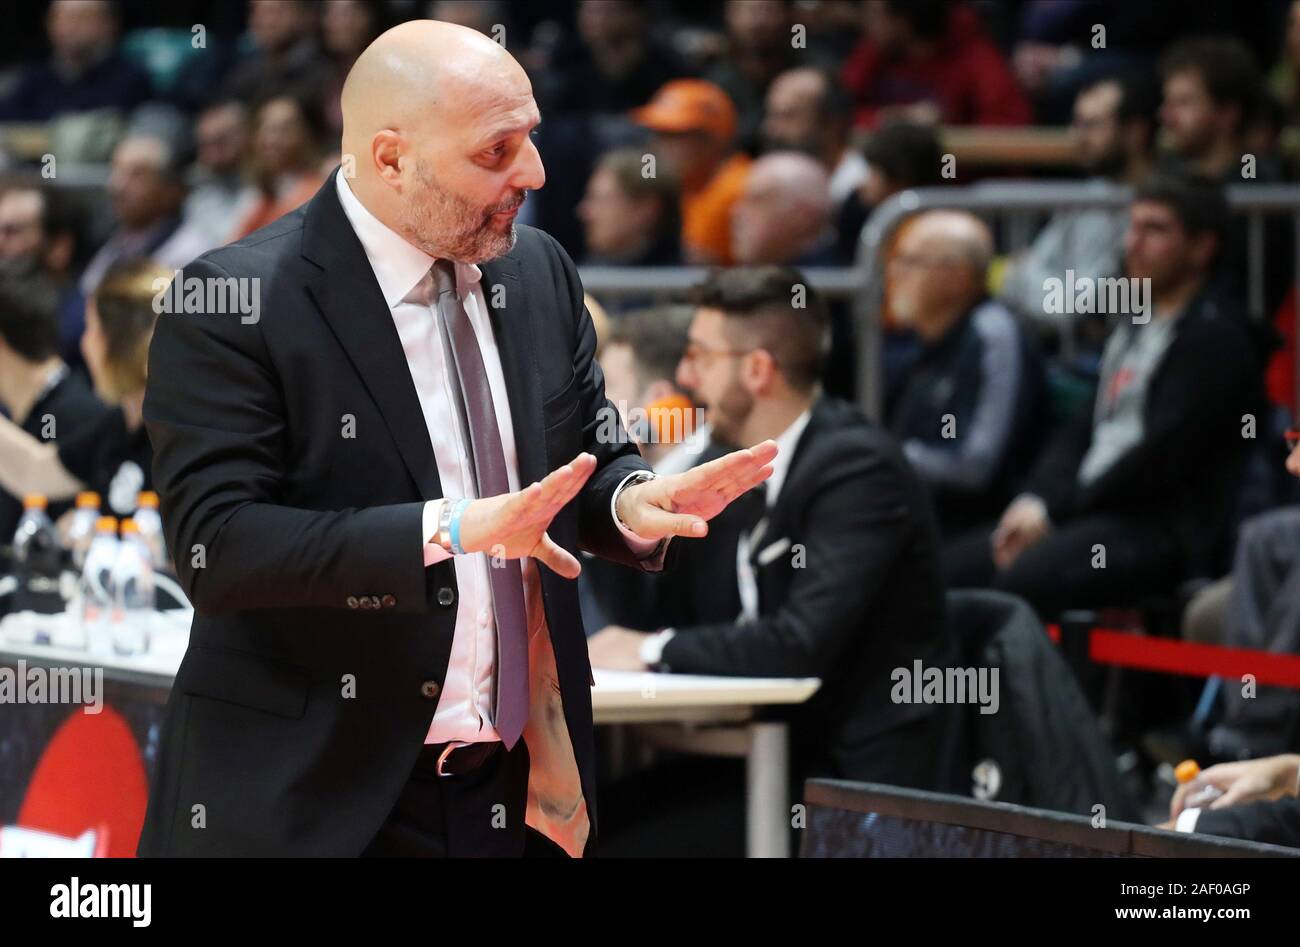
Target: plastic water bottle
(97,586)
(149,523)
(133,594)
(38,560)
(1202,793)
(82,531)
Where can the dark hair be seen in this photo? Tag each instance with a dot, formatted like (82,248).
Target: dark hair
(906,153)
(657,337)
(1225,66)
(835,104)
(28,323)
(927,18)
(62,213)
(124,300)
(626,166)
(309,110)
(1139,96)
(1197,202)
(766,299)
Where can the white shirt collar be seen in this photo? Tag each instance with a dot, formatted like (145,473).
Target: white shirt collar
(398,264)
(786,442)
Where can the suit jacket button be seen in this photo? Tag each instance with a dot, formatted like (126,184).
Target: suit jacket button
(429,689)
(389,601)
(446,596)
(352,601)
(364,601)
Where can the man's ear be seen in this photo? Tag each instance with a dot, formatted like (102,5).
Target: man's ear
(386,152)
(759,371)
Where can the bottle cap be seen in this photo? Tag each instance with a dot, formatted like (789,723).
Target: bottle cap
(86,499)
(129,526)
(106,524)
(35,501)
(1186,771)
(147,498)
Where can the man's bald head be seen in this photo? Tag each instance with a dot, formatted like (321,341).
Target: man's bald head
(436,123)
(785,208)
(938,268)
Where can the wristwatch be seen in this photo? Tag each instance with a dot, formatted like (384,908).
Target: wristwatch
(641,476)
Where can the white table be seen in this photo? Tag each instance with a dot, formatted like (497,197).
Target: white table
(708,715)
(714,716)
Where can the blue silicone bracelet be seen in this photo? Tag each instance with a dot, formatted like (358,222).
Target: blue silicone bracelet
(454,530)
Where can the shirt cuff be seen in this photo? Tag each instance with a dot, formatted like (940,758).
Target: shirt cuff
(640,546)
(433,551)
(1187,820)
(652,649)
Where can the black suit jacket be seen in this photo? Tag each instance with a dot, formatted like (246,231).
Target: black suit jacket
(849,589)
(293,463)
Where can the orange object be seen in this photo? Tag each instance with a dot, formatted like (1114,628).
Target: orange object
(129,526)
(87,499)
(1186,771)
(34,501)
(689,105)
(147,499)
(706,212)
(672,418)
(106,524)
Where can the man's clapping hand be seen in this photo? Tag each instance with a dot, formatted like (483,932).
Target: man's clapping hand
(514,525)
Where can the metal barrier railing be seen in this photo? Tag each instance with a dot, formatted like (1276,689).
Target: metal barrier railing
(1017,202)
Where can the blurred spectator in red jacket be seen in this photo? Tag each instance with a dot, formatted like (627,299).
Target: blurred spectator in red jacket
(286,152)
(928,61)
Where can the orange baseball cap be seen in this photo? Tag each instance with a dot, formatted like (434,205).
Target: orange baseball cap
(689,105)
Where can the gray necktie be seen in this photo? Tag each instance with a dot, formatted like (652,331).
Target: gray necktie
(490,474)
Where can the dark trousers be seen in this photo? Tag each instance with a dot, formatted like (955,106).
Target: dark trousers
(1063,571)
(479,814)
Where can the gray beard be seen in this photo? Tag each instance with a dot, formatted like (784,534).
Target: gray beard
(469,238)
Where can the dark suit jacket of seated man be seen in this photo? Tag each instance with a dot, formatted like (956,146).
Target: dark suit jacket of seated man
(845,564)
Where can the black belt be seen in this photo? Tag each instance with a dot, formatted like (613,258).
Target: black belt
(455,759)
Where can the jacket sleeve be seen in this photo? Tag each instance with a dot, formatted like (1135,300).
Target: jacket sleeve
(854,525)
(1055,474)
(617,456)
(1277,823)
(217,424)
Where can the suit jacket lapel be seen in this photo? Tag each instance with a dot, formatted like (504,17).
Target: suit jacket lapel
(348,296)
(512,326)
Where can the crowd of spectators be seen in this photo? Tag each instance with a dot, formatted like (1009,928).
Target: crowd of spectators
(758,137)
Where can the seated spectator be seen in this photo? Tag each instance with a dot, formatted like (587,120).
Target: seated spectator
(84,72)
(929,62)
(1255,607)
(613,62)
(631,218)
(899,156)
(41,396)
(41,236)
(1260,801)
(1134,495)
(639,358)
(830,570)
(807,111)
(968,411)
(1212,92)
(694,126)
(783,214)
(287,138)
(757,49)
(783,218)
(146,189)
(1113,134)
(285,59)
(111,456)
(222,195)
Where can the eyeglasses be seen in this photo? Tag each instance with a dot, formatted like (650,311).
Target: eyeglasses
(695,352)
